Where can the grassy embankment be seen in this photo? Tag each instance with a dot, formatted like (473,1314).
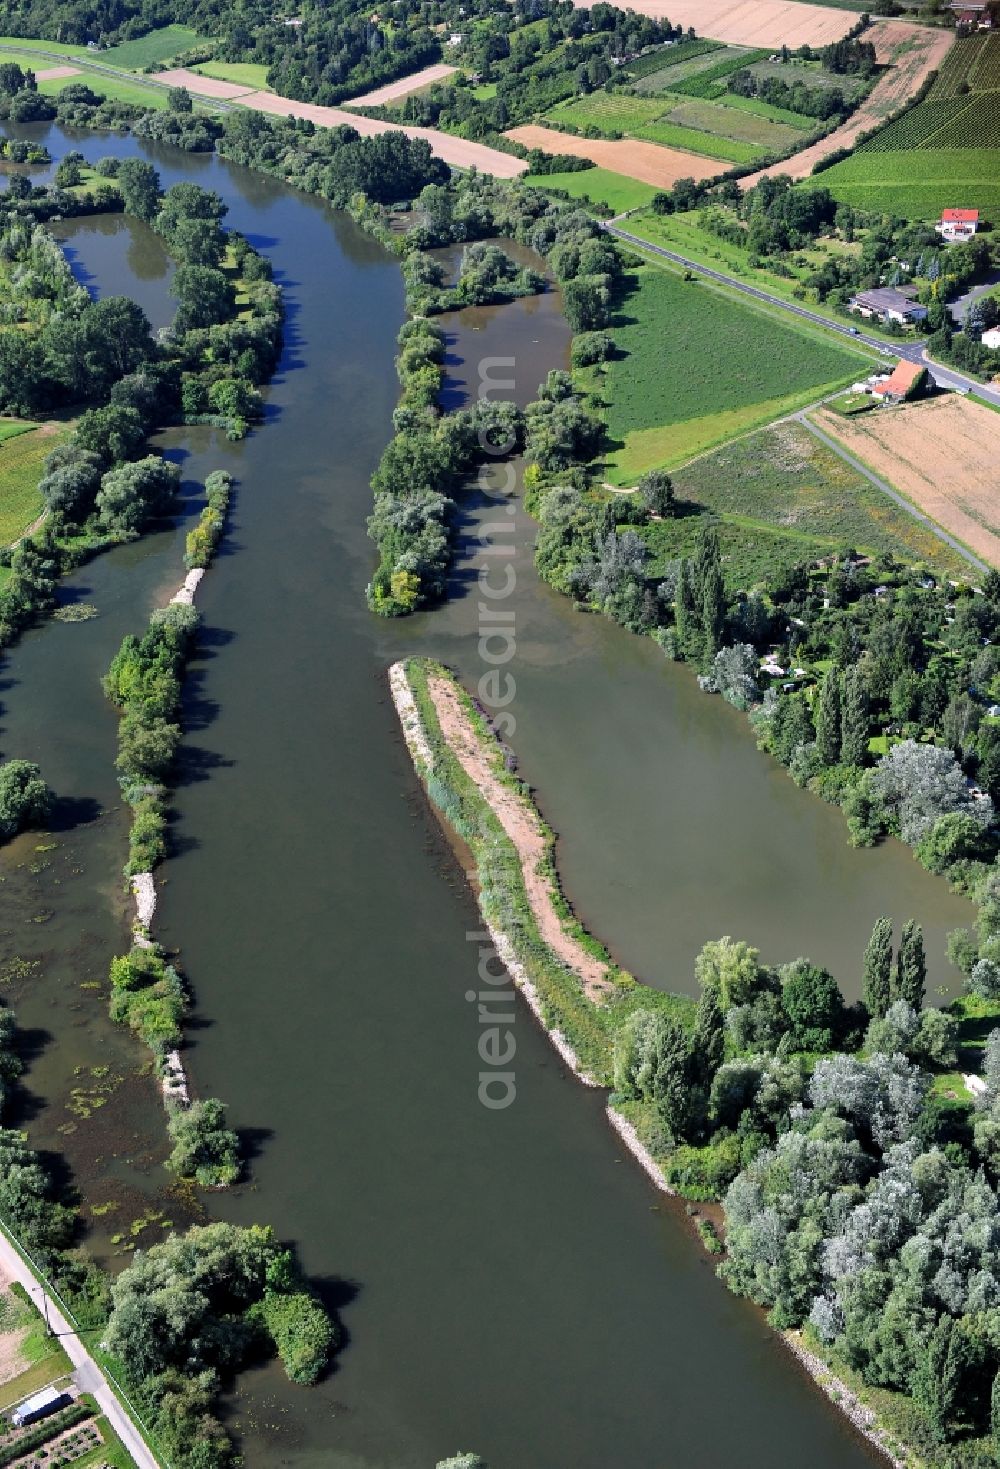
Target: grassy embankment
(683,347)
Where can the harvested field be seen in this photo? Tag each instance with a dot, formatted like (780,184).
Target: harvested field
(941,454)
(647,162)
(915,52)
(200,85)
(392,91)
(458,152)
(55,73)
(751,22)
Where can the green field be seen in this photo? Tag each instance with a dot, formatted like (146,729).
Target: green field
(697,368)
(774,114)
(972,65)
(10,428)
(668,75)
(21,462)
(126,90)
(735,122)
(784,479)
(153,49)
(713,129)
(917,184)
(242,73)
(663,58)
(599,185)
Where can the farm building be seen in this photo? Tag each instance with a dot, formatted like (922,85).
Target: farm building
(888,304)
(975,14)
(900,383)
(958,224)
(991,339)
(40,1405)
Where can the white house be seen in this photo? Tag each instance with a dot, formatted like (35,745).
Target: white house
(958,224)
(888,304)
(991,339)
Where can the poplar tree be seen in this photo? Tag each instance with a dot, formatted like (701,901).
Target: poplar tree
(937,1381)
(878,969)
(854,720)
(828,719)
(911,966)
(709,590)
(708,1042)
(687,613)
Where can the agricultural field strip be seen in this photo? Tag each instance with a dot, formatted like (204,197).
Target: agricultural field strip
(806,419)
(650,163)
(944,463)
(917,50)
(658,119)
(392,91)
(455,151)
(769,23)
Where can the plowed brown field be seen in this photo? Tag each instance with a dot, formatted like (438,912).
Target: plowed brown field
(647,162)
(942,455)
(750,22)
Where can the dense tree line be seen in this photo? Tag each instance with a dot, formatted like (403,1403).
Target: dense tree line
(431,453)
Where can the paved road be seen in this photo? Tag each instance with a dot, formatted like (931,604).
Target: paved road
(88,1375)
(913,351)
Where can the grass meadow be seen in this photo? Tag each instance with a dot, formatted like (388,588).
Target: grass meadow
(599,185)
(696,367)
(712,129)
(153,49)
(242,73)
(22,458)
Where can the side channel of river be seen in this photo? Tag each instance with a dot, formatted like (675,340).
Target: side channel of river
(508,1280)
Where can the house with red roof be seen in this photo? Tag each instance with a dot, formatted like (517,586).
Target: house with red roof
(902,383)
(958,224)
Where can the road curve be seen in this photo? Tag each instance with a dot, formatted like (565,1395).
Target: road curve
(89,1376)
(913,351)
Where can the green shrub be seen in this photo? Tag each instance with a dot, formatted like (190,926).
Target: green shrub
(302,1332)
(704,1173)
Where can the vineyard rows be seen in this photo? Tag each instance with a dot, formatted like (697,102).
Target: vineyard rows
(970,121)
(972,64)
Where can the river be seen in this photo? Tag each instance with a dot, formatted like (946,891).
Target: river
(508,1280)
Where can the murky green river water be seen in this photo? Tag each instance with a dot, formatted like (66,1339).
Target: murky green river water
(508,1280)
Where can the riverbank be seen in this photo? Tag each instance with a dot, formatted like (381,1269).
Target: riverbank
(468,779)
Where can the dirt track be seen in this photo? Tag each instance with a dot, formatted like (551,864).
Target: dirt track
(647,162)
(917,51)
(523,826)
(392,91)
(457,152)
(750,22)
(940,454)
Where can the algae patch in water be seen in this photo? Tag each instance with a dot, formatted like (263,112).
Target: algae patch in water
(76,612)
